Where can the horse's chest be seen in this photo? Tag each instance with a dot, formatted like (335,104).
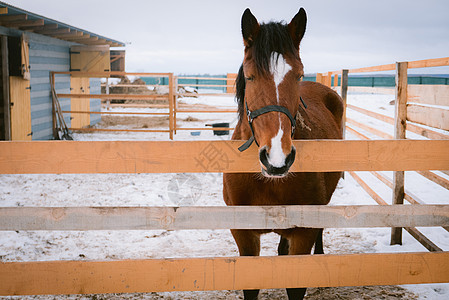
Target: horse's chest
(291,193)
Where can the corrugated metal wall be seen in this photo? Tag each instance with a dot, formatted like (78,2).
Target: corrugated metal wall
(49,54)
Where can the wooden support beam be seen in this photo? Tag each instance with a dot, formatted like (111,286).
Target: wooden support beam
(53,31)
(77,38)
(225,273)
(71,33)
(400,121)
(164,156)
(221,217)
(3,10)
(24,23)
(4,19)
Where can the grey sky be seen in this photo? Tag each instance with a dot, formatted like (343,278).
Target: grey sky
(204,36)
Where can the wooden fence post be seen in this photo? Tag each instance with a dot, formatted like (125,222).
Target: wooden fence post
(329,79)
(400,119)
(5,92)
(319,78)
(344,95)
(171,105)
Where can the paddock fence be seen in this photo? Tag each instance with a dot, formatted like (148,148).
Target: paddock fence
(226,273)
(168,99)
(420,109)
(199,274)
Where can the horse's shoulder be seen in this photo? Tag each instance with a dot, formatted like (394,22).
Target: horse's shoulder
(317,92)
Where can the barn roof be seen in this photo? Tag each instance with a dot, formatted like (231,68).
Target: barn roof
(14,17)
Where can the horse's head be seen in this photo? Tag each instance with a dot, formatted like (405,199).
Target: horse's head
(268,88)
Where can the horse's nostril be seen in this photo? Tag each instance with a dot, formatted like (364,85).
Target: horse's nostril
(290,158)
(269,170)
(263,157)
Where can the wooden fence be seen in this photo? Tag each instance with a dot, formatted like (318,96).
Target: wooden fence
(228,273)
(413,108)
(169,101)
(195,274)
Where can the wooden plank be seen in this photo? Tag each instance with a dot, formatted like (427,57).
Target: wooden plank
(430,116)
(428,63)
(375,115)
(428,94)
(225,273)
(117,130)
(114,113)
(422,239)
(396,236)
(80,85)
(369,129)
(230,80)
(20,99)
(435,178)
(171,106)
(221,217)
(112,73)
(376,197)
(114,96)
(400,122)
(216,156)
(387,67)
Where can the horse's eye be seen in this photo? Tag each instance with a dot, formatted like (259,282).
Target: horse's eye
(300,78)
(251,78)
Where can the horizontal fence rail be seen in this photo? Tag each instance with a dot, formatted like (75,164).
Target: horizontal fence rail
(218,217)
(43,157)
(224,273)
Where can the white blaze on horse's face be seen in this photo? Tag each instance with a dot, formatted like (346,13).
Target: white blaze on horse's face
(278,68)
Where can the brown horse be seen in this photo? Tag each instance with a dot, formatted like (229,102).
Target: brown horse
(275,107)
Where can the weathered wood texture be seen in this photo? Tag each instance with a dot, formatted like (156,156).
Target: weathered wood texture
(428,94)
(370,129)
(217,217)
(428,133)
(400,123)
(227,273)
(431,116)
(215,156)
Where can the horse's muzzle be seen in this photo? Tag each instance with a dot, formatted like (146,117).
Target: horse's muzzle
(268,170)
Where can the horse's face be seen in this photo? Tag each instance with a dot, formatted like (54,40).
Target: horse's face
(276,84)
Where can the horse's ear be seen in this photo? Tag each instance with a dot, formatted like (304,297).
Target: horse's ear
(297,27)
(250,28)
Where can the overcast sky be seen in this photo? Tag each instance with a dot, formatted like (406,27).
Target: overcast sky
(196,37)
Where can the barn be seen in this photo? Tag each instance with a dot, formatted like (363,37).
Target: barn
(32,46)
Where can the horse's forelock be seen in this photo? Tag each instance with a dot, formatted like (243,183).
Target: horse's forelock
(272,37)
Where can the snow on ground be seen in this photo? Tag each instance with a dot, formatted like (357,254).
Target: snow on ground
(194,189)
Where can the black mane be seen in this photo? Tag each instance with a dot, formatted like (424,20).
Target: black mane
(272,37)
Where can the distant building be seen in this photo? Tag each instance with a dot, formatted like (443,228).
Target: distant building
(31,47)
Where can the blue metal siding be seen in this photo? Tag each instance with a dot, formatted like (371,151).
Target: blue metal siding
(47,55)
(95,104)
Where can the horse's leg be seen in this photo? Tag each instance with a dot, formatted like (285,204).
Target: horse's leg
(301,241)
(248,242)
(319,243)
(283,246)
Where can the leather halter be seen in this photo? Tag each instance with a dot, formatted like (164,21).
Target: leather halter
(266,109)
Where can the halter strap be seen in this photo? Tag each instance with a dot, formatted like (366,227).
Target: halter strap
(266,109)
